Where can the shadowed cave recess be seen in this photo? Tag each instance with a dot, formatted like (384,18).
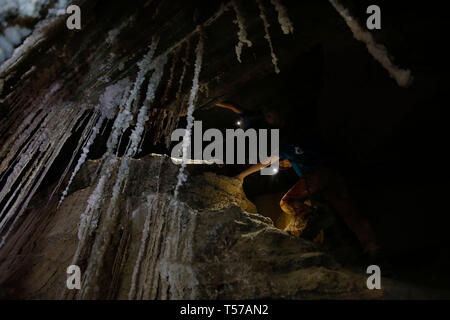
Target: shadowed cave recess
(87,179)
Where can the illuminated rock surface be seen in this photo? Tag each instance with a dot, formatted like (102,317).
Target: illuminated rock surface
(214,246)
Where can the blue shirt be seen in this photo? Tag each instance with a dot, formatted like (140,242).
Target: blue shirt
(304,156)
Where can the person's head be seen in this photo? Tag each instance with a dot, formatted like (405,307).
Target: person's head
(242,122)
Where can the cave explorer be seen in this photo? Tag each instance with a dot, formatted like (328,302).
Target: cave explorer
(304,151)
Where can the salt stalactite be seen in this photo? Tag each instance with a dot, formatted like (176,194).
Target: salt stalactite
(190,119)
(33,147)
(163,268)
(175,244)
(83,138)
(112,98)
(145,233)
(20,166)
(12,146)
(109,102)
(378,51)
(115,95)
(124,117)
(150,271)
(88,221)
(25,155)
(54,137)
(99,247)
(14,10)
(242,33)
(142,118)
(106,109)
(262,14)
(152,207)
(283,18)
(11,37)
(114,33)
(136,135)
(83,156)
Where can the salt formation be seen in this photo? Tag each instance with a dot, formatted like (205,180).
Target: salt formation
(166,239)
(83,156)
(242,33)
(190,119)
(59,8)
(11,37)
(38,155)
(151,205)
(283,18)
(31,8)
(109,101)
(124,117)
(27,127)
(262,14)
(99,246)
(142,116)
(25,9)
(91,120)
(110,98)
(378,51)
(145,231)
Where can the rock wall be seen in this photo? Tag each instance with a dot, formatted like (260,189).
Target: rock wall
(210,244)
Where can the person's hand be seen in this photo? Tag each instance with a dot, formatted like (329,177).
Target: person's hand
(240,178)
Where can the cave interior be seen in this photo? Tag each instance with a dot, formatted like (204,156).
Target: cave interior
(389,140)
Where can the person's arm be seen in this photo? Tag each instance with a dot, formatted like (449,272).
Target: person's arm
(256,167)
(229,106)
